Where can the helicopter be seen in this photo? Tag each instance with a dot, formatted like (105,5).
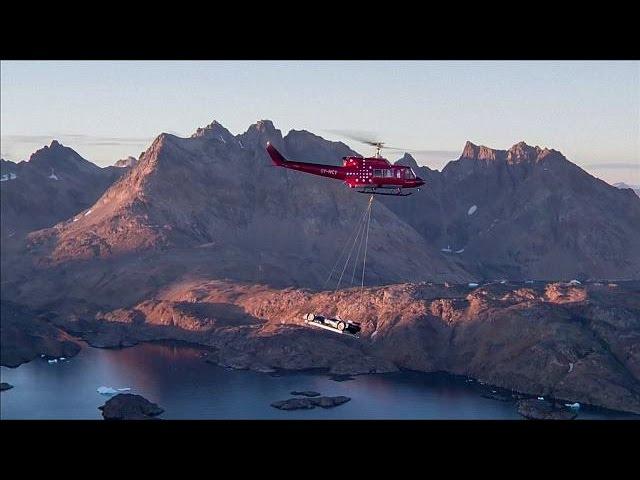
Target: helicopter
(372,175)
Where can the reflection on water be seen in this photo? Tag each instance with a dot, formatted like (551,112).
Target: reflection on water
(180,381)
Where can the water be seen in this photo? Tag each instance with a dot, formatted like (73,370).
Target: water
(178,379)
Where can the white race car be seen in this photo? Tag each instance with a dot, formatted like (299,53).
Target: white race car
(336,324)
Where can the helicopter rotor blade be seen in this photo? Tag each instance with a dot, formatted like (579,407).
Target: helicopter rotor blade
(367,138)
(370,138)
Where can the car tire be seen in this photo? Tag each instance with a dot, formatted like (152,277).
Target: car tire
(341,326)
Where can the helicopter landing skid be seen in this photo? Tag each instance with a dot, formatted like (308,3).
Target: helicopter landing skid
(373,192)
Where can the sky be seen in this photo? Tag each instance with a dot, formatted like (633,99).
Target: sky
(590,111)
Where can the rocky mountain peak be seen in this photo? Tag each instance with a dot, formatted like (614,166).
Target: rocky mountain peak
(58,156)
(265,126)
(261,132)
(214,130)
(126,162)
(407,160)
(480,152)
(521,152)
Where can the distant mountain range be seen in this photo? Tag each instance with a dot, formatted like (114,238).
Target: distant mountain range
(635,188)
(52,186)
(211,205)
(525,212)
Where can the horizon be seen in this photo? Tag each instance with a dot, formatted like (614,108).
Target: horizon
(110,110)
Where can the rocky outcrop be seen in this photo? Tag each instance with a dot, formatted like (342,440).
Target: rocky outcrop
(309,403)
(306,393)
(570,342)
(26,334)
(128,162)
(534,409)
(128,406)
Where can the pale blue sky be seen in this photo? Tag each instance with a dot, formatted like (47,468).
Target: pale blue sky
(106,110)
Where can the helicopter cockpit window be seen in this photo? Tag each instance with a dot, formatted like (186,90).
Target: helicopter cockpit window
(408,174)
(383,173)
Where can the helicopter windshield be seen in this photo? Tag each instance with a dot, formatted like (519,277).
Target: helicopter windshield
(408,174)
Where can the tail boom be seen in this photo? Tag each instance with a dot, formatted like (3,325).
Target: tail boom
(331,171)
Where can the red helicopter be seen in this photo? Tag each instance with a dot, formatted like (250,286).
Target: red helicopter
(367,174)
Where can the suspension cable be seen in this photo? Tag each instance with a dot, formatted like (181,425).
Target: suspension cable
(352,246)
(359,225)
(366,243)
(355,262)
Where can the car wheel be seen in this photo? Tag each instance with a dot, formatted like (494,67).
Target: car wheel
(341,326)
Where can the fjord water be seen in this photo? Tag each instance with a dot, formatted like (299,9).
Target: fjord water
(177,378)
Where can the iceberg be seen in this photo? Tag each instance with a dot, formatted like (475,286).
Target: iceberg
(472,210)
(112,391)
(107,391)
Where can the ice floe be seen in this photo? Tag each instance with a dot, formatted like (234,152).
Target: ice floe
(8,176)
(106,390)
(112,391)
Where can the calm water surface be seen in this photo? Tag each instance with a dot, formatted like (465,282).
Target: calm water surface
(178,379)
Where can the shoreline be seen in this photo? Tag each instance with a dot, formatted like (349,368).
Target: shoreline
(479,387)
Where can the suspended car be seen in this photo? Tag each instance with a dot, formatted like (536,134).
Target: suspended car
(336,324)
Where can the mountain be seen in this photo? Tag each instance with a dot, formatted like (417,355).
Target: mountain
(126,162)
(53,185)
(212,205)
(635,188)
(526,212)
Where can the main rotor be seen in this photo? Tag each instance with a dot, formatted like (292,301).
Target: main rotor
(378,145)
(369,139)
